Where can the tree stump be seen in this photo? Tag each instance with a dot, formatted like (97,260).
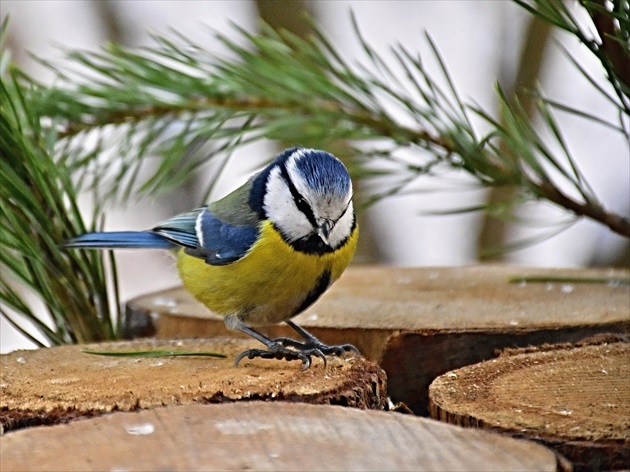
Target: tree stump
(418,323)
(47,386)
(575,399)
(267,436)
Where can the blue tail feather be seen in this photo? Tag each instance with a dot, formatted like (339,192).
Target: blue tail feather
(120,240)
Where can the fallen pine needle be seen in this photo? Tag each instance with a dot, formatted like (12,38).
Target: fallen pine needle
(153,353)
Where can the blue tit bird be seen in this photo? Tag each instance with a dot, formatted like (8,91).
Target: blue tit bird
(265,252)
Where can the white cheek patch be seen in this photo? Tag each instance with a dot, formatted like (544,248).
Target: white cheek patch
(277,194)
(343,228)
(281,209)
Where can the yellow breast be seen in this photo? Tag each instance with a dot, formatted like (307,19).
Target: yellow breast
(268,284)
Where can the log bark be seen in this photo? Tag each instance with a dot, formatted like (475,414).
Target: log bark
(267,436)
(575,399)
(418,323)
(56,385)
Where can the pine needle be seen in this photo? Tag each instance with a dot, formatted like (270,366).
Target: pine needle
(154,353)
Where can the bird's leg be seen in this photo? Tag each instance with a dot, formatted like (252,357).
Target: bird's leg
(277,350)
(311,342)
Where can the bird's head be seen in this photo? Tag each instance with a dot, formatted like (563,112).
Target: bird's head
(308,197)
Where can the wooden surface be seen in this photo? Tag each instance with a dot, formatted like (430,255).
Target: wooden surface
(576,399)
(418,323)
(266,436)
(48,386)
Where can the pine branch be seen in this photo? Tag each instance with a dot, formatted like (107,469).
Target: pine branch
(612,38)
(38,210)
(615,222)
(260,94)
(95,130)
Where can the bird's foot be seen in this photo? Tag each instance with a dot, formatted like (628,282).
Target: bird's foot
(315,344)
(278,350)
(291,350)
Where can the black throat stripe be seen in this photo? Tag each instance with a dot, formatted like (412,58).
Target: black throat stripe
(320,287)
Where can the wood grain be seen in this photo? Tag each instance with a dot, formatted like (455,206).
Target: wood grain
(267,436)
(574,398)
(418,323)
(47,386)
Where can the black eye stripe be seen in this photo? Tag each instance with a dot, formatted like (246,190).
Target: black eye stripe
(299,200)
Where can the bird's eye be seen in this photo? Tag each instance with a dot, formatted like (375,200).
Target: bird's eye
(301,202)
(305,208)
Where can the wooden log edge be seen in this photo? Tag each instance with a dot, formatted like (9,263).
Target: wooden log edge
(419,323)
(62,384)
(268,436)
(465,397)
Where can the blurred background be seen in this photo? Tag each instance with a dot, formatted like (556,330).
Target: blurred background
(481,42)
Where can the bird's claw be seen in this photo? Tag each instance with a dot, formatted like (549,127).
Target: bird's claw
(292,350)
(315,344)
(280,351)
(340,349)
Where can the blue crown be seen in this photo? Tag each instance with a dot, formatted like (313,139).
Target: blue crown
(324,172)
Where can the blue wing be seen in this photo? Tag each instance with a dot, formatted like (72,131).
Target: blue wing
(206,236)
(199,232)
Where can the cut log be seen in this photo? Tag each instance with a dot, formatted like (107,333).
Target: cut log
(267,436)
(574,399)
(47,386)
(418,323)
